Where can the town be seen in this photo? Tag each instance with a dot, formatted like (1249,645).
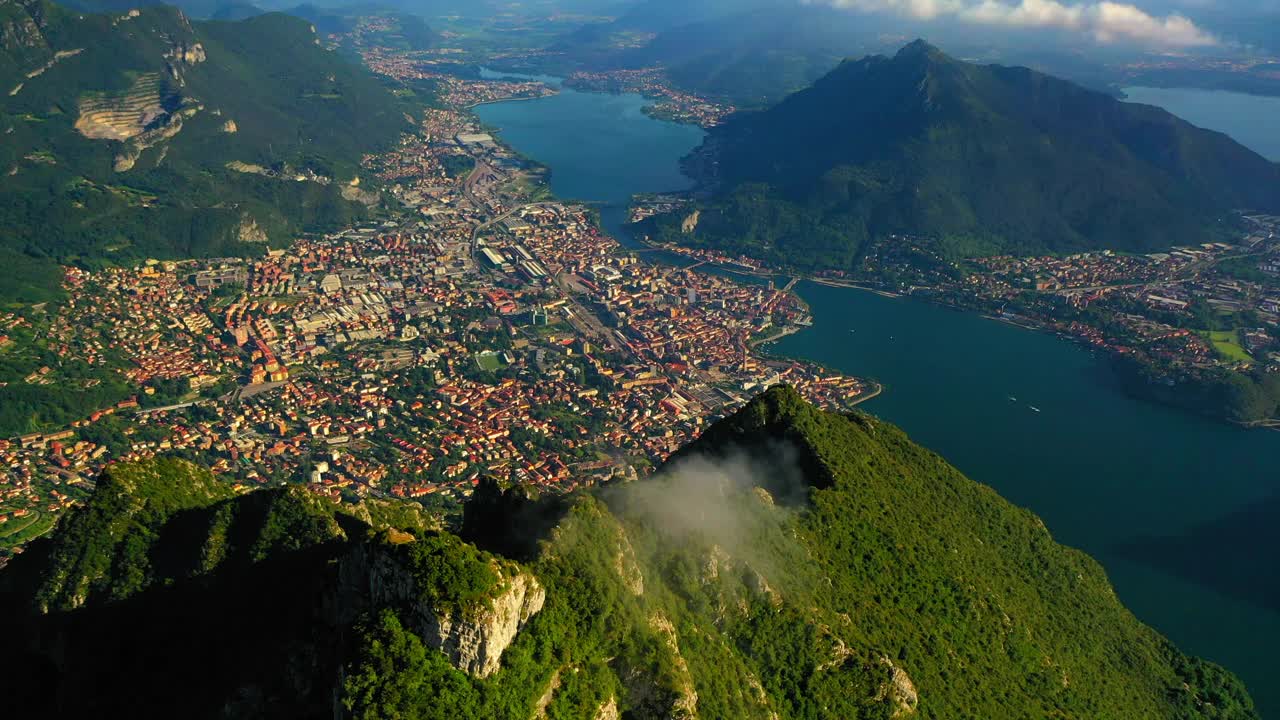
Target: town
(1181,316)
(670,103)
(481,330)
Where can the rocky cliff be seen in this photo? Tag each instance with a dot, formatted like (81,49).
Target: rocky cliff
(475,644)
(473,637)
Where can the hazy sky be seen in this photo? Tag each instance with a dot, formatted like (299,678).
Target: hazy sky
(1153,23)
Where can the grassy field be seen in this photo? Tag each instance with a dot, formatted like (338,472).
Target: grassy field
(1227,343)
(488,361)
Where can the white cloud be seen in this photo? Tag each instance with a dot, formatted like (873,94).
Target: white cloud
(1106,21)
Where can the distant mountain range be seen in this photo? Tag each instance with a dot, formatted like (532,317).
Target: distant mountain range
(989,159)
(750,53)
(791,564)
(327,13)
(755,53)
(144,134)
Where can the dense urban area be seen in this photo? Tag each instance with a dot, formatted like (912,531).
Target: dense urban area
(483,330)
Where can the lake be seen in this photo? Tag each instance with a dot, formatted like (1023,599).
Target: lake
(1250,120)
(601,148)
(1184,513)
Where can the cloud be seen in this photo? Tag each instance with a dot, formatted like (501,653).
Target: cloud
(721,501)
(1106,22)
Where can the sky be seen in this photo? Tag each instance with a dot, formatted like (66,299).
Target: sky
(1158,24)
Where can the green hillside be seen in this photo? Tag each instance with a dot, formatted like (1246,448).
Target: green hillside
(985,158)
(791,563)
(121,132)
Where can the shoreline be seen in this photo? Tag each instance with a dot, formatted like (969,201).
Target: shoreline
(876,390)
(851,285)
(472,106)
(790,330)
(651,99)
(695,262)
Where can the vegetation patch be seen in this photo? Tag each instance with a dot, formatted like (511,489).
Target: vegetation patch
(1227,343)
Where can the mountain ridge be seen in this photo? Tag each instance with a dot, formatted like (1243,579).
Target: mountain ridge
(1005,158)
(791,563)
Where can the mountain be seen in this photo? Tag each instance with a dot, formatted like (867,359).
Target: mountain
(394,29)
(791,563)
(401,28)
(984,157)
(754,54)
(756,57)
(203,9)
(144,134)
(749,54)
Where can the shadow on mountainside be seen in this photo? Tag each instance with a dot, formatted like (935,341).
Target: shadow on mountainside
(1249,572)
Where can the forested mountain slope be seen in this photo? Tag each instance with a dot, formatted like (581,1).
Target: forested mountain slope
(791,563)
(142,134)
(986,158)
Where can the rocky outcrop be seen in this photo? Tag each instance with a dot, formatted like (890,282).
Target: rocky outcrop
(180,56)
(188,54)
(57,58)
(899,690)
(716,561)
(163,129)
(250,168)
(353,193)
(608,711)
(474,640)
(540,707)
(249,231)
(475,645)
(759,585)
(690,223)
(624,563)
(24,28)
(685,705)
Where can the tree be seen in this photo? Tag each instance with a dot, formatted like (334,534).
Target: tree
(396,677)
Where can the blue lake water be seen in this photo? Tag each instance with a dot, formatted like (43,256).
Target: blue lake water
(601,148)
(1184,513)
(1251,120)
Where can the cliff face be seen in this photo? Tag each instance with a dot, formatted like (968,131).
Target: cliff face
(376,575)
(164,557)
(475,645)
